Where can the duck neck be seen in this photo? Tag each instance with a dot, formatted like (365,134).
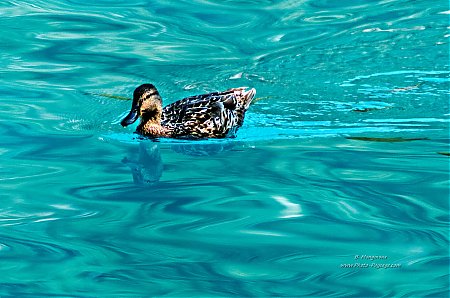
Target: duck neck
(151,110)
(151,124)
(153,117)
(152,129)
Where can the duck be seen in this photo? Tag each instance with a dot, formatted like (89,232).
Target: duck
(211,115)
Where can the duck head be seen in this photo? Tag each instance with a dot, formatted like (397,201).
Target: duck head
(147,104)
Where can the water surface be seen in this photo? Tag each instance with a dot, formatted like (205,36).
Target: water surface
(343,158)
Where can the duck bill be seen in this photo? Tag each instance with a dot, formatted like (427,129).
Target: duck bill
(130,118)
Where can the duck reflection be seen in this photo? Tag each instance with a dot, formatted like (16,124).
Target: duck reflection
(201,149)
(147,165)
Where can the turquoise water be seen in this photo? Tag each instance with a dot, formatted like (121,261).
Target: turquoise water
(341,166)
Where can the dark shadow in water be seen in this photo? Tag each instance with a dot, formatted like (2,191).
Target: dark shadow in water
(147,164)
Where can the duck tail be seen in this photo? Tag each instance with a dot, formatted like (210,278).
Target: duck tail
(248,96)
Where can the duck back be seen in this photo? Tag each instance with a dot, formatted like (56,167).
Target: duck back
(212,115)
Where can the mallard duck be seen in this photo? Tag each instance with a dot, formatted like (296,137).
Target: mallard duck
(212,115)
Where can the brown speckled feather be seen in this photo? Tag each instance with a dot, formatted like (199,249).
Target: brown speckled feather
(213,115)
